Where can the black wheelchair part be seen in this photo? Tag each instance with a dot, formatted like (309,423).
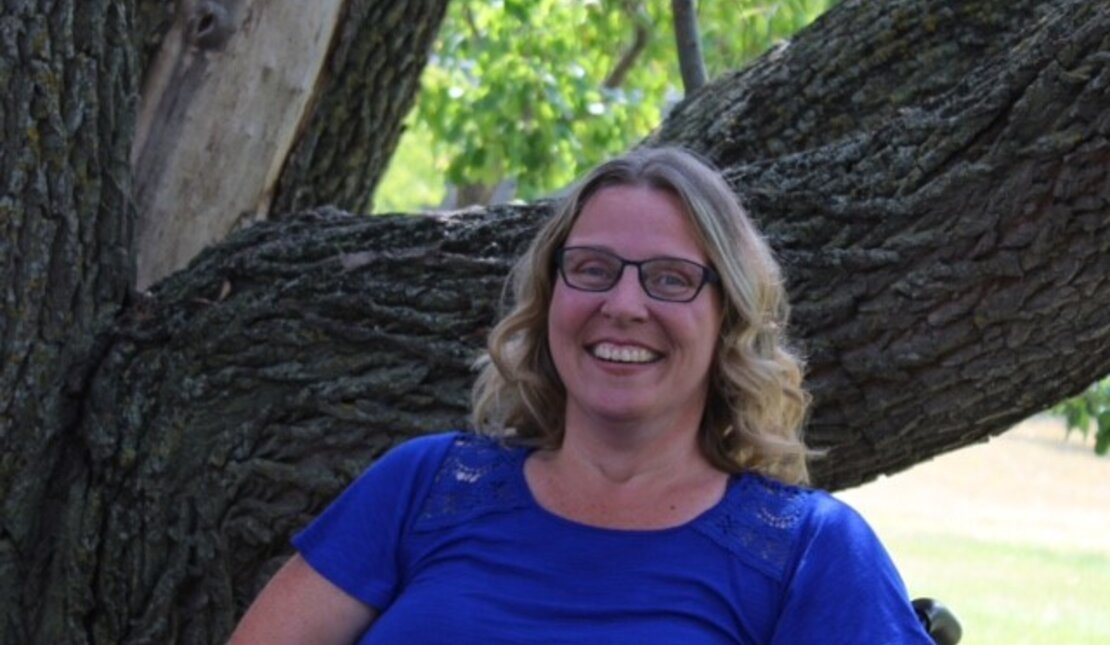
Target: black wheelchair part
(939,621)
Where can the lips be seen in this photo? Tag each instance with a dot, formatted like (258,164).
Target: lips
(614,353)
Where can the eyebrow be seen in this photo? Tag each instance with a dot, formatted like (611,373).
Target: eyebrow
(601,247)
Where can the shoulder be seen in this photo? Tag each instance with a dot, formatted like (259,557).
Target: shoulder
(411,459)
(795,509)
(399,474)
(477,475)
(456,455)
(423,446)
(402,475)
(410,480)
(356,543)
(839,579)
(472,456)
(769,524)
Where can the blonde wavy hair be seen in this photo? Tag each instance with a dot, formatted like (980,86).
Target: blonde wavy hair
(756,404)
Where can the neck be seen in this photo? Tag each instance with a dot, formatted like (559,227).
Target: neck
(625,451)
(647,474)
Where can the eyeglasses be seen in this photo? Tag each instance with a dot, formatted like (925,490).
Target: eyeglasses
(670,279)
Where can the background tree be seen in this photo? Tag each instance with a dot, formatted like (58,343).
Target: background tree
(580,81)
(933,176)
(1089,413)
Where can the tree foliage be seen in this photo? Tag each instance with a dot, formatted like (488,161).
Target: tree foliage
(563,84)
(1089,412)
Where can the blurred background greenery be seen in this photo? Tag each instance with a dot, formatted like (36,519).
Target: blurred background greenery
(525,95)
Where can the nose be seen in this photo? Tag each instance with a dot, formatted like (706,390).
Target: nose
(626,300)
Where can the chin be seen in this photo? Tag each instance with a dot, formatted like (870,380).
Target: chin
(622,411)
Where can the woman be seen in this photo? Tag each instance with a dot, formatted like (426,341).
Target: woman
(638,473)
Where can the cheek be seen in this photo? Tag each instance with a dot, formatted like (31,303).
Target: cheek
(565,314)
(556,311)
(705,347)
(708,333)
(561,325)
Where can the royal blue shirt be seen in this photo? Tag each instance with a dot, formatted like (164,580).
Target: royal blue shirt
(444,538)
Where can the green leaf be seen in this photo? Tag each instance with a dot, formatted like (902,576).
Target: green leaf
(1102,437)
(1092,405)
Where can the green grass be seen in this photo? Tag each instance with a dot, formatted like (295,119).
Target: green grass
(1009,593)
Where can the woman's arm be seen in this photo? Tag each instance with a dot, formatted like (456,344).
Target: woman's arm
(353,547)
(299,605)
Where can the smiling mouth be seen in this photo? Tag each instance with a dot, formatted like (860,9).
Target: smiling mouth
(617,354)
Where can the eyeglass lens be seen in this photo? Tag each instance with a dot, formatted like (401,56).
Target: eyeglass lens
(670,279)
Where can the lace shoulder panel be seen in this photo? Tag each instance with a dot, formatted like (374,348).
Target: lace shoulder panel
(478,476)
(760,522)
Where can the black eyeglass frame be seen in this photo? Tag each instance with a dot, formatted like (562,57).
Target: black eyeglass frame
(708,275)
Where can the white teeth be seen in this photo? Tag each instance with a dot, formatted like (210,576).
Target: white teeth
(610,352)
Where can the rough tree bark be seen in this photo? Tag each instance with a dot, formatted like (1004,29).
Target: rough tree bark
(937,187)
(66,114)
(302,103)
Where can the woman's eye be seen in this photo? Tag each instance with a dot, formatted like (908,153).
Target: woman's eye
(594,270)
(672,280)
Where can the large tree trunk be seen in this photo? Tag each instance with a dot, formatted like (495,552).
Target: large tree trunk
(66,114)
(943,215)
(252,107)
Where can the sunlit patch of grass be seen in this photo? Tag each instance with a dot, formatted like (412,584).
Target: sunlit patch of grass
(1009,593)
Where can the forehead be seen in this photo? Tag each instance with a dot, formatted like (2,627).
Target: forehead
(637,222)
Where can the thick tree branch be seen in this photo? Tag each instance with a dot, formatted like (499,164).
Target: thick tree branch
(222,94)
(371,80)
(254,106)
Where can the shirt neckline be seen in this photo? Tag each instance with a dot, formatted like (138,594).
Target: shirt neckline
(521,482)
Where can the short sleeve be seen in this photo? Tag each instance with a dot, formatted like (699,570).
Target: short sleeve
(355,542)
(844,587)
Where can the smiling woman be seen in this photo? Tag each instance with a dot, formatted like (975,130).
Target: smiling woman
(658,400)
(660,203)
(637,472)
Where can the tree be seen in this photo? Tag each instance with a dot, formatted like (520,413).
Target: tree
(1089,409)
(609,70)
(330,83)
(934,178)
